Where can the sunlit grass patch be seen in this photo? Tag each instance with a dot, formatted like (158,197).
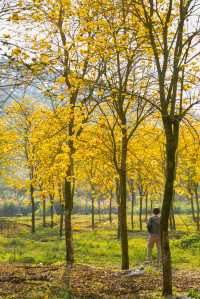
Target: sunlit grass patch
(99,247)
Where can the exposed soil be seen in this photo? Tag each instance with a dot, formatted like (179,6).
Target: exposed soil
(26,282)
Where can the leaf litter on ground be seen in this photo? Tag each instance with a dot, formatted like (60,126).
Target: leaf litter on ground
(25,282)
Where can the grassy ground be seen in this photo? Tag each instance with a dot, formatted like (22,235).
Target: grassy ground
(99,247)
(33,254)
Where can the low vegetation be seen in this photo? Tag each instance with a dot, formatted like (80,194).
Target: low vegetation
(95,249)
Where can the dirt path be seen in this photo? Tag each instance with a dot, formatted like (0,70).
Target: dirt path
(26,282)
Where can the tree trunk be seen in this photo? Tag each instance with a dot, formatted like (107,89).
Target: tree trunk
(44,212)
(123,195)
(192,207)
(146,207)
(140,212)
(93,224)
(118,209)
(197,208)
(99,209)
(68,205)
(110,208)
(118,223)
(61,219)
(171,216)
(173,219)
(61,212)
(172,132)
(33,209)
(170,221)
(51,210)
(172,211)
(69,186)
(132,208)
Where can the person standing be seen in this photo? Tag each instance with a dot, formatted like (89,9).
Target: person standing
(153,227)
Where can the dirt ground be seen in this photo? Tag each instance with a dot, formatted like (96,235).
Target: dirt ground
(82,281)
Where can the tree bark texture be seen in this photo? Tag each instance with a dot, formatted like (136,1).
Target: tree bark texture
(32,209)
(172,133)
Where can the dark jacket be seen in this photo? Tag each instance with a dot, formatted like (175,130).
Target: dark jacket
(153,225)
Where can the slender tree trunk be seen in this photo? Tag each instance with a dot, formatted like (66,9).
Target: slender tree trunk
(69,191)
(44,212)
(61,212)
(123,197)
(68,205)
(99,209)
(173,219)
(101,206)
(118,223)
(146,207)
(33,208)
(110,208)
(197,208)
(51,210)
(131,188)
(61,219)
(117,192)
(172,211)
(132,208)
(172,132)
(192,207)
(140,211)
(170,221)
(93,224)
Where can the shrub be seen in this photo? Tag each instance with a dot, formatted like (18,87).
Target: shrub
(27,260)
(192,240)
(194,294)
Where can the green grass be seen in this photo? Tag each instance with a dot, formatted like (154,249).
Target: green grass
(99,247)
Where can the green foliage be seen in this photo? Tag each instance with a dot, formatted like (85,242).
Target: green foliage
(151,270)
(11,207)
(189,241)
(194,294)
(27,260)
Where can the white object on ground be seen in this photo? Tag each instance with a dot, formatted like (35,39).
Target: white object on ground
(136,272)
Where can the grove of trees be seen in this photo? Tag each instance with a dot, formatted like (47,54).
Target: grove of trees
(116,114)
